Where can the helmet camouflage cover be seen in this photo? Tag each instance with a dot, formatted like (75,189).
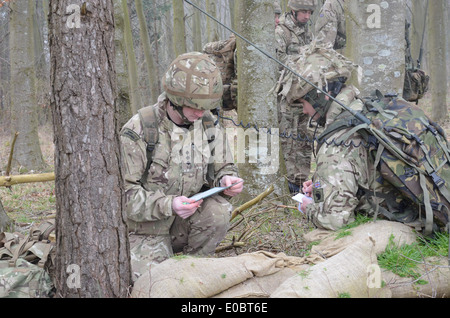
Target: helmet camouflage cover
(317,65)
(193,80)
(297,5)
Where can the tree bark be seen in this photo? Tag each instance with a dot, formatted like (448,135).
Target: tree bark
(133,78)
(376,42)
(179,30)
(123,101)
(24,117)
(91,233)
(151,69)
(437,60)
(257,75)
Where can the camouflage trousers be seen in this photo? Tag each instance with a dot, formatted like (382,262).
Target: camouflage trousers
(197,235)
(296,151)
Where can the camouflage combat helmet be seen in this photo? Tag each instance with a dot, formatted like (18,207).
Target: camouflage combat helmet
(297,5)
(319,66)
(193,80)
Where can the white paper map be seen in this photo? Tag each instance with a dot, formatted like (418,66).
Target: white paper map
(210,192)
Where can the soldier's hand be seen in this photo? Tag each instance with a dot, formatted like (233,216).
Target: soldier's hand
(234,190)
(185,207)
(307,188)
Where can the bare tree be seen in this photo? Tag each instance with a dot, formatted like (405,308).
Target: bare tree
(437,60)
(91,233)
(256,77)
(376,42)
(27,152)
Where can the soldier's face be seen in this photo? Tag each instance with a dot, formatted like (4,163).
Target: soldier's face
(303,16)
(193,114)
(309,110)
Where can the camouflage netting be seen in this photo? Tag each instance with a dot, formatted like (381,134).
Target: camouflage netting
(335,267)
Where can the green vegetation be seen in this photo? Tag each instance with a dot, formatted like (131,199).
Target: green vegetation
(403,260)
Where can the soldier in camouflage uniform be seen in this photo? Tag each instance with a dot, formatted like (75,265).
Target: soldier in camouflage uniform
(292,33)
(330,25)
(162,220)
(345,176)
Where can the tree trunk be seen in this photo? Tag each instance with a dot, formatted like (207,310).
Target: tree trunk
(179,31)
(211,25)
(151,69)
(24,119)
(92,249)
(436,60)
(123,102)
(257,75)
(376,42)
(133,78)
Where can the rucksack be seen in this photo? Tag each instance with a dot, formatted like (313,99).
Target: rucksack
(415,85)
(26,262)
(410,151)
(150,121)
(223,54)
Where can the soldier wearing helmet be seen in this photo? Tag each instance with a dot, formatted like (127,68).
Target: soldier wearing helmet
(293,33)
(345,179)
(168,157)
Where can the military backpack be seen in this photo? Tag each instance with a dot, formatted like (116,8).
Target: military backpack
(410,151)
(27,263)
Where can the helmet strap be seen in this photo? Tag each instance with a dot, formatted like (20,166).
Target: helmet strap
(179,110)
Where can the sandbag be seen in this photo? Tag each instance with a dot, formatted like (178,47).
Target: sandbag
(191,277)
(344,267)
(339,266)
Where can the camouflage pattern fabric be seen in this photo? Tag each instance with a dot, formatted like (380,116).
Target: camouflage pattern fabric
(198,235)
(179,167)
(194,80)
(24,280)
(297,150)
(342,171)
(316,67)
(297,155)
(223,53)
(290,37)
(330,25)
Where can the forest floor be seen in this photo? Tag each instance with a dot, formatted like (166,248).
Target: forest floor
(268,225)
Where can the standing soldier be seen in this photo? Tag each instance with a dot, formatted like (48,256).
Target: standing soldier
(293,32)
(330,25)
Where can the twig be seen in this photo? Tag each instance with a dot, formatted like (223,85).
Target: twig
(252,202)
(8,168)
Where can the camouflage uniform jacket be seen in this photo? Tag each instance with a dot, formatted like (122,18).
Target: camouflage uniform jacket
(179,168)
(290,37)
(330,25)
(341,173)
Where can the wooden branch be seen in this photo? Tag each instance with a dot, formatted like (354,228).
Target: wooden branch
(8,181)
(8,167)
(252,202)
(227,247)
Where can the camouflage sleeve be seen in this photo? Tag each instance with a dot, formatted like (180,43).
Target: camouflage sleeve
(142,204)
(326,26)
(281,44)
(339,173)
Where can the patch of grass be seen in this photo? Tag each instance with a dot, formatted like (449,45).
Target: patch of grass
(345,231)
(403,260)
